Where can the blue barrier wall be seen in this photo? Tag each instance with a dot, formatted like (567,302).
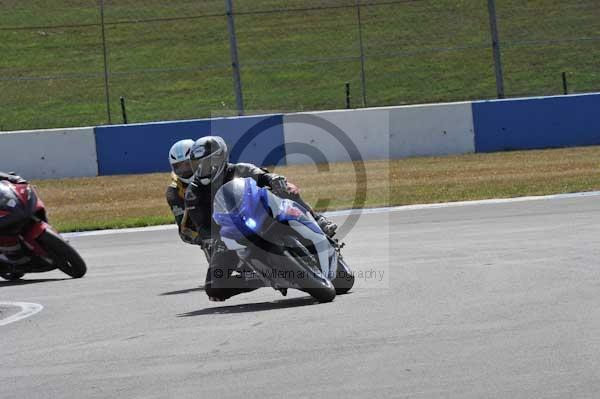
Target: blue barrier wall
(535,123)
(143,148)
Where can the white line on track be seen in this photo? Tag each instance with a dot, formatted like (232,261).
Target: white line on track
(367,211)
(120,231)
(495,201)
(27,309)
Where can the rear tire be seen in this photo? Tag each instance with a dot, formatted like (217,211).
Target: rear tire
(66,257)
(12,276)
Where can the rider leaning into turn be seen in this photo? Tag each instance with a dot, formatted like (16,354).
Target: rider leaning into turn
(209,161)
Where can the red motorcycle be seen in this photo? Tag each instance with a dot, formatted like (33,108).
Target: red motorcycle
(28,244)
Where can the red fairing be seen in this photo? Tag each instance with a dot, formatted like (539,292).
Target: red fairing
(35,231)
(8,241)
(32,235)
(24,192)
(21,190)
(39,205)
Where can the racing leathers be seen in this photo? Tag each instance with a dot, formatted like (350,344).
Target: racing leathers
(176,200)
(220,282)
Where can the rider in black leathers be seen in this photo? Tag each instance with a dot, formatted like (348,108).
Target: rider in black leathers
(209,160)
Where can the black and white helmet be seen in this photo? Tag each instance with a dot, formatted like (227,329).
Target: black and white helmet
(208,158)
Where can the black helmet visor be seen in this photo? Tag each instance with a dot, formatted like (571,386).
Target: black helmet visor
(183,169)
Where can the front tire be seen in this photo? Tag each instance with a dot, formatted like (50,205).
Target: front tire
(66,257)
(344,280)
(310,282)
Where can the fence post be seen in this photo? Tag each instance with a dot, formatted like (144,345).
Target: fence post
(105,54)
(363,79)
(348,105)
(496,48)
(123,110)
(237,80)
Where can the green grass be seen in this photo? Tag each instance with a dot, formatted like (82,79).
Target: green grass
(417,52)
(133,201)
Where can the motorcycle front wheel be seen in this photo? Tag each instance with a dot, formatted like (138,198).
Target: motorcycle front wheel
(308,279)
(344,280)
(66,257)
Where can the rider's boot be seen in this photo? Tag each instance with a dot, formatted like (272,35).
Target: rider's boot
(4,261)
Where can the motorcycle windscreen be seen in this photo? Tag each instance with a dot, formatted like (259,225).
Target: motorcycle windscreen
(11,207)
(240,208)
(9,199)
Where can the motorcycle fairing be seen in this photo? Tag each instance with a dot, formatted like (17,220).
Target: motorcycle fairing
(292,211)
(247,217)
(31,236)
(321,244)
(241,208)
(9,244)
(12,208)
(10,199)
(238,220)
(19,201)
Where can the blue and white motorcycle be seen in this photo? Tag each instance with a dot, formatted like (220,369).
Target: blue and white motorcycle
(280,241)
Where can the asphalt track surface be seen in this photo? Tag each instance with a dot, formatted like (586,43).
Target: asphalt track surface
(478,301)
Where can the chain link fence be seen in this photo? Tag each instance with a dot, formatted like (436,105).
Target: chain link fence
(68,63)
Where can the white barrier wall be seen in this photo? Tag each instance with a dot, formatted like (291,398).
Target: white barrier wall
(367,129)
(381,133)
(428,130)
(49,154)
(313,137)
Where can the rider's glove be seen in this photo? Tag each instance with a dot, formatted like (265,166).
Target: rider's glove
(279,186)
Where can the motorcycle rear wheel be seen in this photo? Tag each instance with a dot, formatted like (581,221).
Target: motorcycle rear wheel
(67,258)
(12,276)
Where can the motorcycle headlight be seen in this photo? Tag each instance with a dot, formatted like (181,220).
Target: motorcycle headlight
(250,223)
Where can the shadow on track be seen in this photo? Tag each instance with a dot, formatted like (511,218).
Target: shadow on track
(253,307)
(201,288)
(26,282)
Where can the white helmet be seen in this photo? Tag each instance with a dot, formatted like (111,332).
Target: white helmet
(179,158)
